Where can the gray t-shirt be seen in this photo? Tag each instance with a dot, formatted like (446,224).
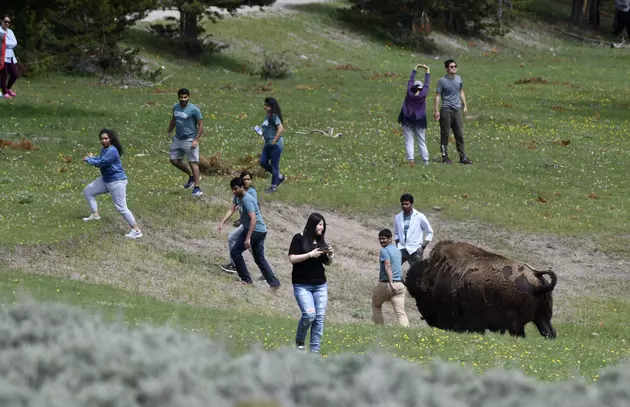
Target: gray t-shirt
(449,89)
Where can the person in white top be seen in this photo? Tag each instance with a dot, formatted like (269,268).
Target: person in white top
(412,231)
(10,69)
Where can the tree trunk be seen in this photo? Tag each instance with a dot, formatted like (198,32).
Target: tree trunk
(188,26)
(585,13)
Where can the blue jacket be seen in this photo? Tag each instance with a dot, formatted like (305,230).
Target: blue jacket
(109,164)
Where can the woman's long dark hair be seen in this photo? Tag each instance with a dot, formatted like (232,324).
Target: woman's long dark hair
(275,108)
(113,139)
(310,235)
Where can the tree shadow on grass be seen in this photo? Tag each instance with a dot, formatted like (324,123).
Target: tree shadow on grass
(28,111)
(164,48)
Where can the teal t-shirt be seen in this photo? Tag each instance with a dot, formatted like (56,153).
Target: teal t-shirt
(186,119)
(270,128)
(249,204)
(252,192)
(392,254)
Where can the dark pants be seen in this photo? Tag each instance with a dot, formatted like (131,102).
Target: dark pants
(270,161)
(258,252)
(415,257)
(10,70)
(451,118)
(622,20)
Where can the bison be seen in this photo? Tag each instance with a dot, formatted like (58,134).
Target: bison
(463,288)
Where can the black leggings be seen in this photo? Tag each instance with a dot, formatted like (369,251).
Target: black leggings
(10,70)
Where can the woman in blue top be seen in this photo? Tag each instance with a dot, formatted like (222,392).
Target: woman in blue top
(274,143)
(113,180)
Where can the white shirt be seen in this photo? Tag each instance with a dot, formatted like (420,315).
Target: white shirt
(11,42)
(418,226)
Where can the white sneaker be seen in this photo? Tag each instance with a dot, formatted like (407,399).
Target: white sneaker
(133,234)
(91,217)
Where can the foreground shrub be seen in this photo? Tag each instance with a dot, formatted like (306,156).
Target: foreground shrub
(53,355)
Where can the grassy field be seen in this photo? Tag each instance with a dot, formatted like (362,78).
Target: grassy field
(595,340)
(550,156)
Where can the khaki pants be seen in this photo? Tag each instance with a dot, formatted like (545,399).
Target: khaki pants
(381,294)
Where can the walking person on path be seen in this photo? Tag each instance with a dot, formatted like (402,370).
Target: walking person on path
(308,254)
(272,129)
(8,66)
(413,116)
(450,89)
(246,176)
(187,121)
(390,287)
(253,235)
(113,180)
(412,231)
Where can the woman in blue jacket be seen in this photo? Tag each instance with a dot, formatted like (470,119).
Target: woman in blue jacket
(113,180)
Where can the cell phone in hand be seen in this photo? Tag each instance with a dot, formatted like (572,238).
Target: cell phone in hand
(258,130)
(326,249)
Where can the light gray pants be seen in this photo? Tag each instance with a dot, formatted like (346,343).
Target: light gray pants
(118,191)
(233,237)
(420,136)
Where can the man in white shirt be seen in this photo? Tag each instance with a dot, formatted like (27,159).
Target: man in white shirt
(412,231)
(10,69)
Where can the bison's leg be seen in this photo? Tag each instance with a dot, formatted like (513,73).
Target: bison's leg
(517,329)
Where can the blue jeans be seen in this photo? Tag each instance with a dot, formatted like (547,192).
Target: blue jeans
(312,300)
(258,252)
(270,161)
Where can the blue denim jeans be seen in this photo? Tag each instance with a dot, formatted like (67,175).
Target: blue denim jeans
(258,252)
(312,300)
(270,161)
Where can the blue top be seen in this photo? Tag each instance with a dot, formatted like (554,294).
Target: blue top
(252,192)
(186,119)
(270,129)
(250,205)
(392,254)
(109,164)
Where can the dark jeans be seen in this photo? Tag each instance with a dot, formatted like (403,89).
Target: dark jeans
(258,252)
(10,70)
(451,118)
(415,257)
(622,20)
(270,161)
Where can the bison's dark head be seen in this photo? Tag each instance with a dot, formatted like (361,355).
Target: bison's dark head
(544,311)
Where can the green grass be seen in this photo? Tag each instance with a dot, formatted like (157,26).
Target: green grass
(586,105)
(595,341)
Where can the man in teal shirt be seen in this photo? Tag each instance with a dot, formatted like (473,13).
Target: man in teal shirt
(188,124)
(390,287)
(253,236)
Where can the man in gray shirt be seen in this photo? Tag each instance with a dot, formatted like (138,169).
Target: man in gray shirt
(450,89)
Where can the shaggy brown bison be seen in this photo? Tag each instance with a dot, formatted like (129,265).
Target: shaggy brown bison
(461,287)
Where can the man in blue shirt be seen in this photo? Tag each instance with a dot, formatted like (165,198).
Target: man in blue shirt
(390,287)
(188,124)
(253,236)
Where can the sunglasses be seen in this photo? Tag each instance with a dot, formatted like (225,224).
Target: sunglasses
(453,66)
(7,21)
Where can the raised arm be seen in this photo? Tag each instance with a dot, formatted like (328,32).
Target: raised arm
(107,158)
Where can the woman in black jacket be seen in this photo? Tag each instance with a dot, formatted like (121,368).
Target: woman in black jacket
(308,254)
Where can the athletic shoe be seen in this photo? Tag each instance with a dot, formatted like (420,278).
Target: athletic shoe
(300,345)
(271,190)
(465,161)
(91,217)
(425,163)
(197,191)
(228,268)
(133,234)
(190,183)
(10,92)
(7,96)
(446,160)
(281,180)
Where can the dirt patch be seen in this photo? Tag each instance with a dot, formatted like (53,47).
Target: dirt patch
(23,145)
(180,263)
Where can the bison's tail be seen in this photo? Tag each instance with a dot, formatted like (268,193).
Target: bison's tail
(546,288)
